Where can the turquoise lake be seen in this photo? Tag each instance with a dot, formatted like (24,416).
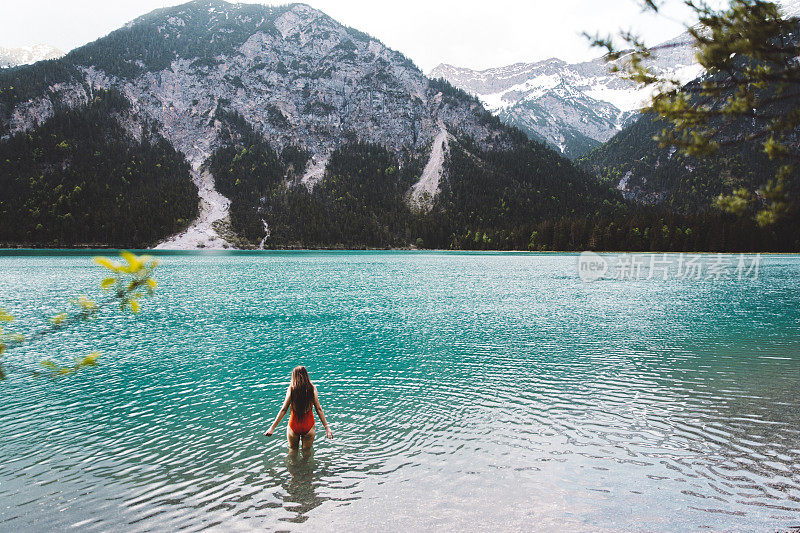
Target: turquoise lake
(480,391)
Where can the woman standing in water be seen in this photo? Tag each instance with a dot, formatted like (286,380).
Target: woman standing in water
(302,398)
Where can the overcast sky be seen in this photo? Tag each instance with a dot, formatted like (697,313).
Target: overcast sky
(476,34)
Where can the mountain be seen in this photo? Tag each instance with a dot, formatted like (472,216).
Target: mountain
(12,57)
(573,107)
(634,163)
(643,171)
(298,131)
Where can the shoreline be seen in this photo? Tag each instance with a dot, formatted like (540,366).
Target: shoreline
(88,250)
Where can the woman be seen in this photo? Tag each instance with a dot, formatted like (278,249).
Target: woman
(301,397)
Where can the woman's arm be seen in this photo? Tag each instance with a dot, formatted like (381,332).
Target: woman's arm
(285,408)
(318,407)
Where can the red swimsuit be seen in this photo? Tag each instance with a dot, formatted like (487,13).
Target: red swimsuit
(302,425)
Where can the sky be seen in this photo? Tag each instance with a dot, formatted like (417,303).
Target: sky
(474,34)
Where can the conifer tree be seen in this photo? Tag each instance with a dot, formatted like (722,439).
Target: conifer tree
(750,93)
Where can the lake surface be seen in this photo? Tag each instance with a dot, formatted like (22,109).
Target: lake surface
(480,391)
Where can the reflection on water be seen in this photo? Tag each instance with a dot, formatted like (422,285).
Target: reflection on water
(490,391)
(300,495)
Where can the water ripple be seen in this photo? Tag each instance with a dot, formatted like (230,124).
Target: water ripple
(463,389)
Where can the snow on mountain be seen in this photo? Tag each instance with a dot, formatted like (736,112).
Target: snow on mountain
(573,107)
(12,57)
(791,8)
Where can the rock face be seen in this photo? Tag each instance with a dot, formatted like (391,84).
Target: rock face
(298,77)
(205,231)
(573,107)
(12,57)
(425,190)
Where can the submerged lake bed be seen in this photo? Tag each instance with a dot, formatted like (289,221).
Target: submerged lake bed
(464,390)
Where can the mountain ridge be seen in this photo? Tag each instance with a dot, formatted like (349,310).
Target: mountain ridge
(597,104)
(574,107)
(248,54)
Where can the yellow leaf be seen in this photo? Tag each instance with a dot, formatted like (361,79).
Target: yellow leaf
(49,364)
(134,306)
(90,360)
(108,263)
(130,257)
(134,263)
(5,317)
(2,348)
(108,283)
(65,371)
(59,319)
(151,283)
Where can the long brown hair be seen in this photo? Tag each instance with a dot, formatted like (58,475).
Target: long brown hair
(301,391)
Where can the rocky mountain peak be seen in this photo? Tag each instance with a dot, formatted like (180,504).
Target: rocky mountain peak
(12,57)
(573,107)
